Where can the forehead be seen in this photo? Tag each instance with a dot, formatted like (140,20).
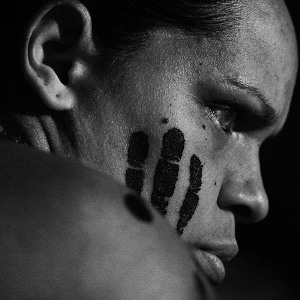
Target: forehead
(266,47)
(261,53)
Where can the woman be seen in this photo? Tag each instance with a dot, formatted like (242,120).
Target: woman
(172,99)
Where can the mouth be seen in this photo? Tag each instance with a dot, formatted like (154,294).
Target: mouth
(211,261)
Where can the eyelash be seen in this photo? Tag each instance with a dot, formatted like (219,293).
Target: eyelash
(217,112)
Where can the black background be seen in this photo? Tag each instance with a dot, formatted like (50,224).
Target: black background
(268,265)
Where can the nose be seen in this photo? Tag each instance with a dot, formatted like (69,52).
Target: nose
(243,193)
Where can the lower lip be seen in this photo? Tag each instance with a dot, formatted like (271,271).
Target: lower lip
(211,266)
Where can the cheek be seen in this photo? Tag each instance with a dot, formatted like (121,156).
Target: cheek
(173,172)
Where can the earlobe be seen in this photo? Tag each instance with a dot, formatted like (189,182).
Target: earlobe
(58,43)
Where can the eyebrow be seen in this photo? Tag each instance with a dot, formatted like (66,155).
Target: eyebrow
(269,115)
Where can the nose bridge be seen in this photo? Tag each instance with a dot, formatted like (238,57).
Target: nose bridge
(242,190)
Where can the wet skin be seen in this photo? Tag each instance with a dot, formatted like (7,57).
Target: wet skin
(226,97)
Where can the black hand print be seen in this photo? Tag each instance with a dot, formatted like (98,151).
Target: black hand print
(166,173)
(137,154)
(191,200)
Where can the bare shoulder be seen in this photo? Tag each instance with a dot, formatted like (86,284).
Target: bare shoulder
(69,231)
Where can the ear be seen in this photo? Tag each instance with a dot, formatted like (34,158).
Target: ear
(58,44)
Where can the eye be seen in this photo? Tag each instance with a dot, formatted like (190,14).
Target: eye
(224,117)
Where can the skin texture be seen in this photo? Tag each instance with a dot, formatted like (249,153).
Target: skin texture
(177,86)
(188,82)
(55,242)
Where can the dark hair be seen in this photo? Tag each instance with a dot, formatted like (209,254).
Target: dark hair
(125,24)
(121,26)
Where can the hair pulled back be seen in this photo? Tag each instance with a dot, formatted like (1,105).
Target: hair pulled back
(119,26)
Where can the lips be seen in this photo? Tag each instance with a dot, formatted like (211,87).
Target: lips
(210,260)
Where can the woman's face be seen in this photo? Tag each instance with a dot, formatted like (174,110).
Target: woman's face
(185,123)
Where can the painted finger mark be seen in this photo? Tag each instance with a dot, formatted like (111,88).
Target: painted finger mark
(135,179)
(138,150)
(165,178)
(166,173)
(191,200)
(173,145)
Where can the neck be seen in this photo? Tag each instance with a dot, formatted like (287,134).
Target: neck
(62,133)
(42,132)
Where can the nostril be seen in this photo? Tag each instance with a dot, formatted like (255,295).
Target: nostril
(242,213)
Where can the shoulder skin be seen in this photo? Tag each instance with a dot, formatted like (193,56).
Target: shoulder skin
(67,231)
